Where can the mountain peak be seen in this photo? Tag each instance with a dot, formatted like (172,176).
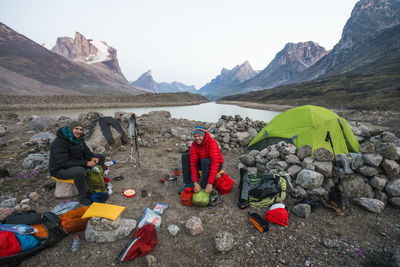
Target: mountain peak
(87,51)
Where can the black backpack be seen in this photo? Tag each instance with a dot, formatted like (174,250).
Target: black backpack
(50,222)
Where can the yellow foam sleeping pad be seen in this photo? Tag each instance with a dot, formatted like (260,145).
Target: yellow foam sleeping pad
(70,181)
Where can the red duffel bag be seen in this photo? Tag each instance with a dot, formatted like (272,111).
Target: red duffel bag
(223,184)
(187,196)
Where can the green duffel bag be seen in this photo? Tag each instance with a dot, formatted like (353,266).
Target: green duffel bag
(201,198)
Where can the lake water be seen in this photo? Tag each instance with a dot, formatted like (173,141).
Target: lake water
(208,112)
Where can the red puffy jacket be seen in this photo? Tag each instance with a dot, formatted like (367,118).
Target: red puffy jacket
(207,149)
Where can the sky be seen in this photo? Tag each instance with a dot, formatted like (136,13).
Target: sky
(188,41)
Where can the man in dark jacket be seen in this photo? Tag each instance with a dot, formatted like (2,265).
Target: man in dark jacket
(70,157)
(204,155)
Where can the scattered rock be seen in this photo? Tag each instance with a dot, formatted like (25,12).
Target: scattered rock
(34,196)
(173,229)
(35,160)
(194,225)
(224,241)
(5,211)
(151,261)
(302,210)
(331,243)
(8,203)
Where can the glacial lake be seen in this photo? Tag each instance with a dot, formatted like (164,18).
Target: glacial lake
(208,112)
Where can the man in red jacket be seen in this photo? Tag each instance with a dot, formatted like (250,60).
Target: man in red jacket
(205,156)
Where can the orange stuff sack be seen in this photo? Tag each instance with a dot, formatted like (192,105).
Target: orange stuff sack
(72,220)
(42,232)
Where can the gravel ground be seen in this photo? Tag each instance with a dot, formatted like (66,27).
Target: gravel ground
(323,239)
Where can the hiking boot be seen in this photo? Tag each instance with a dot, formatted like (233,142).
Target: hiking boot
(215,198)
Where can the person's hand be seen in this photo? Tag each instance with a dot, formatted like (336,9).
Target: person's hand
(91,163)
(96,160)
(197,187)
(209,188)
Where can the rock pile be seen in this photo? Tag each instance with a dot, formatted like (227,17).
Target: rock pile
(373,175)
(235,132)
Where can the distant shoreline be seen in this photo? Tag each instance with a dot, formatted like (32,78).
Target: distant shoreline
(58,106)
(371,117)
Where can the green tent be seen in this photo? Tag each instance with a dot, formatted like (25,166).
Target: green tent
(308,125)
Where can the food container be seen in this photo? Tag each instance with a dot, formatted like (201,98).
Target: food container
(129,193)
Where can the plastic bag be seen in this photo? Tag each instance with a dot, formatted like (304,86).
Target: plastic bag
(159,208)
(22,229)
(150,217)
(64,207)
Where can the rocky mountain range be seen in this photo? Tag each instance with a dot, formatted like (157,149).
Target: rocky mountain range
(291,60)
(368,19)
(227,79)
(27,68)
(361,72)
(146,82)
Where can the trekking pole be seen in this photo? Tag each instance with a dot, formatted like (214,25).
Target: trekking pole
(135,136)
(328,138)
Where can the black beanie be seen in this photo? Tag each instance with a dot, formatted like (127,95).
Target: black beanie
(73,124)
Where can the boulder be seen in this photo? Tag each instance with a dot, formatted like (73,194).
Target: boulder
(391,167)
(370,204)
(372,159)
(381,196)
(302,210)
(292,159)
(224,241)
(194,226)
(35,160)
(243,138)
(309,179)
(3,130)
(368,171)
(38,124)
(173,229)
(395,202)
(294,170)
(104,224)
(324,167)
(319,192)
(98,236)
(356,187)
(387,150)
(290,149)
(393,188)
(65,190)
(367,147)
(43,136)
(304,151)
(323,154)
(378,183)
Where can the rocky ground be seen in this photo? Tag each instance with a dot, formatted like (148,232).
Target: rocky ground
(323,239)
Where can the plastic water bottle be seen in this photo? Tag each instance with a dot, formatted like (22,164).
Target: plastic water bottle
(109,163)
(75,243)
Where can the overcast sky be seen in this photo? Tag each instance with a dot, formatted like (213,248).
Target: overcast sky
(183,40)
